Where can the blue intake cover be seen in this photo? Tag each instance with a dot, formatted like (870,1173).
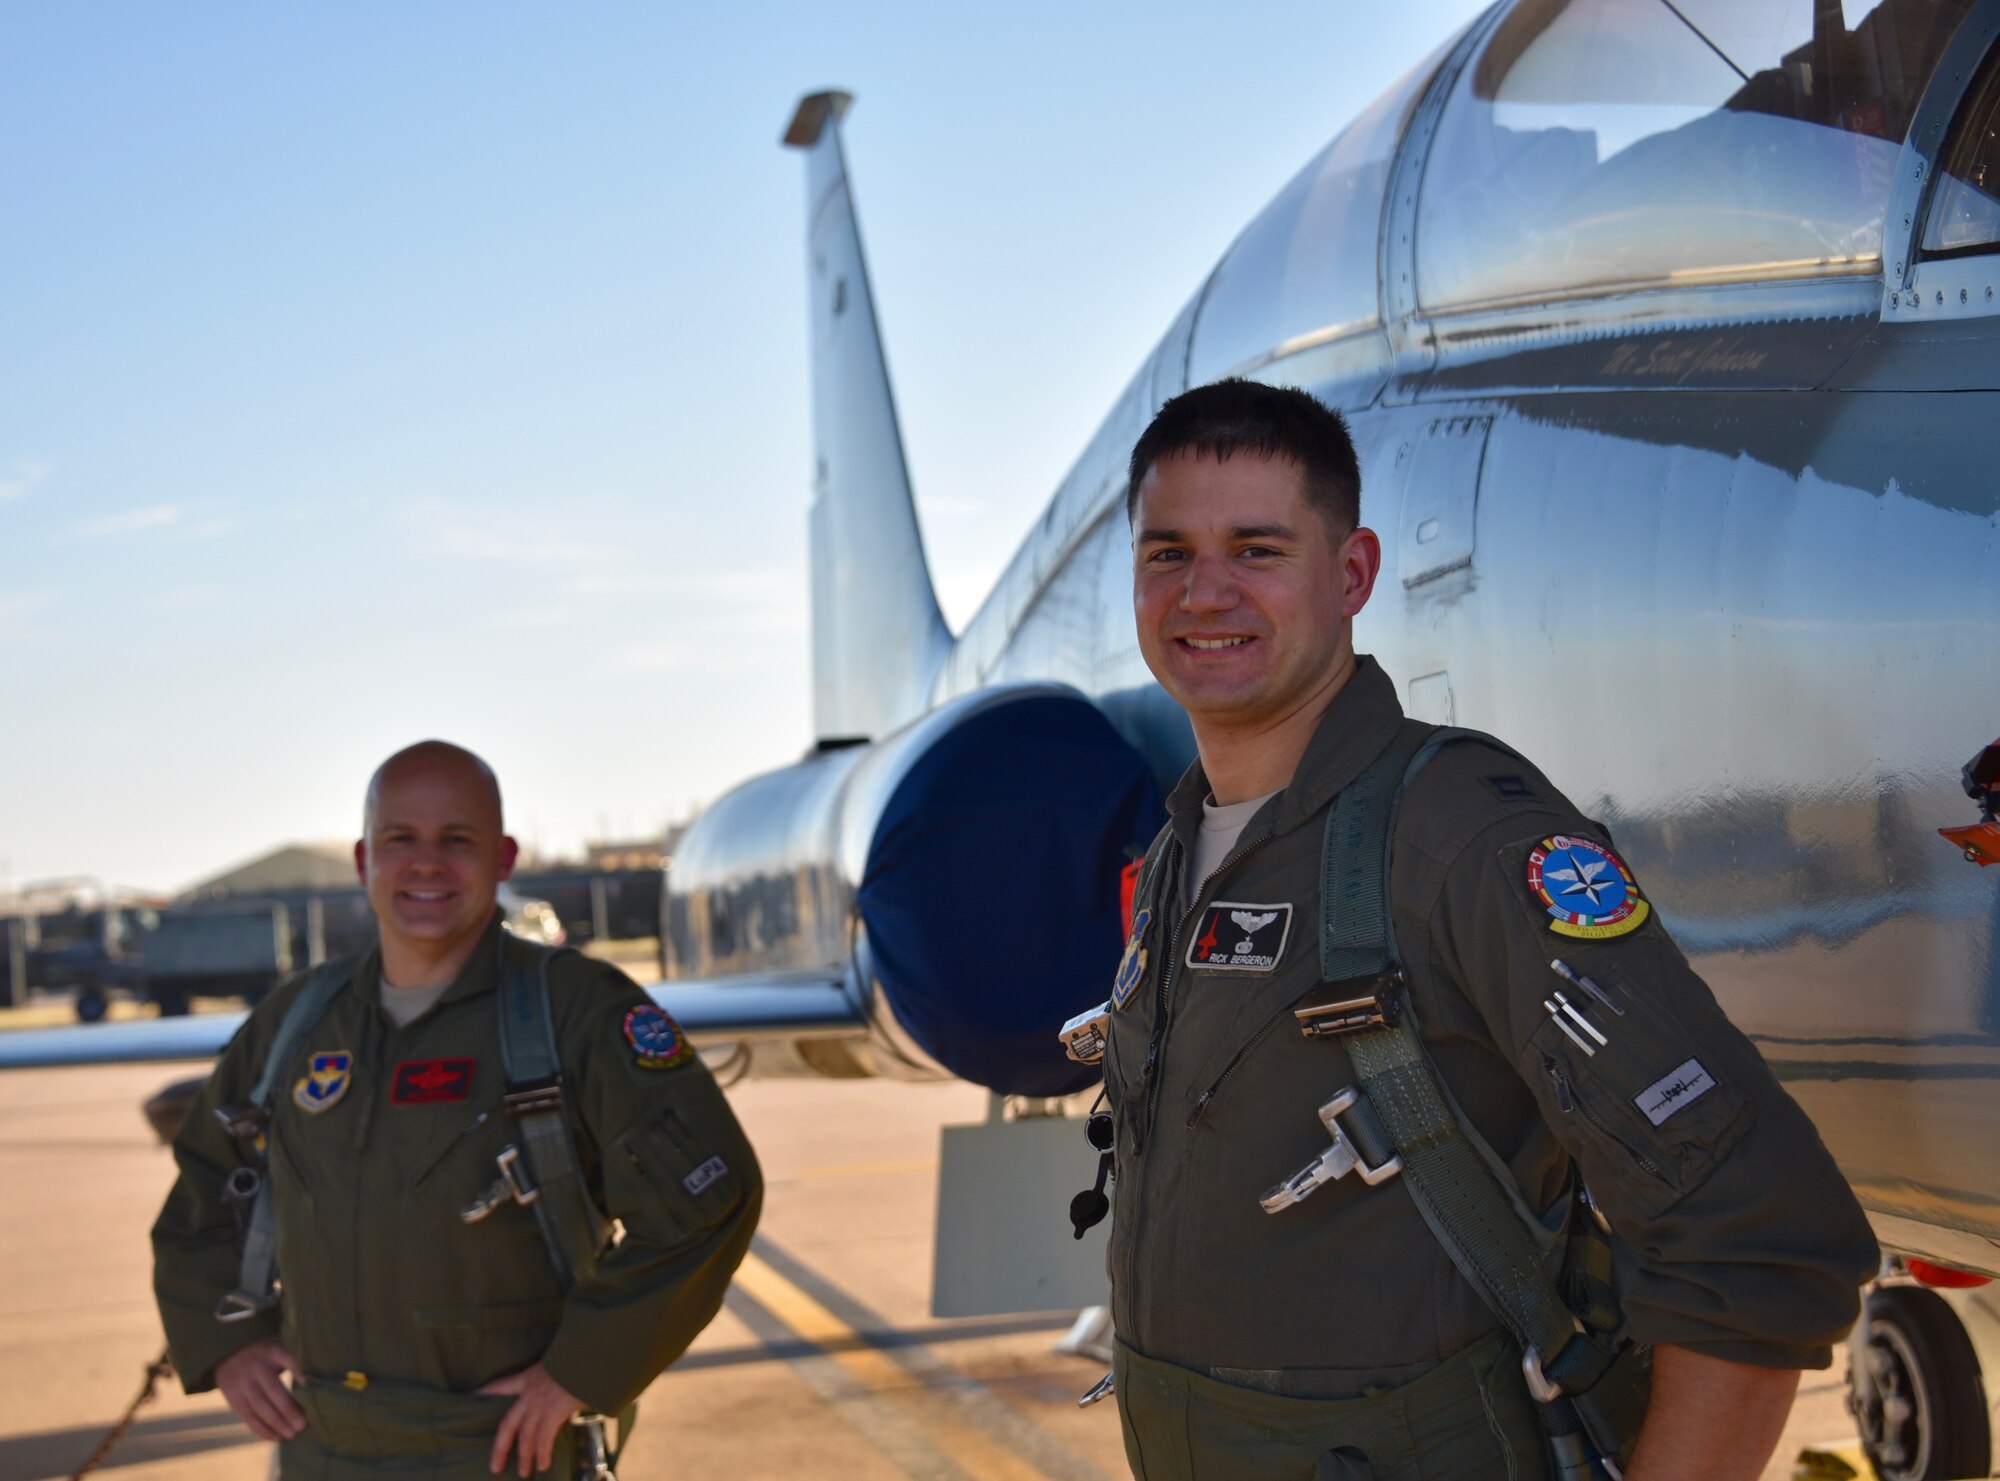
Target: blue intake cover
(991,898)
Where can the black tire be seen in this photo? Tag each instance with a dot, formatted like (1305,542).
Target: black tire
(1920,1405)
(91,1004)
(173,1001)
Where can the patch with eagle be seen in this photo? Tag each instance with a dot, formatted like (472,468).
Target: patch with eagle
(1234,937)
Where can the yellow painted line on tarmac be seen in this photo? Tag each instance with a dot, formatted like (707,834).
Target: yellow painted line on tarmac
(1837,1460)
(876,1371)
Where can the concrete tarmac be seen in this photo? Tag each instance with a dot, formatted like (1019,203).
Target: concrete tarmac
(824,1362)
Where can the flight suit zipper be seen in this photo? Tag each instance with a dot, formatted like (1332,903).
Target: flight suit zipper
(1564,1097)
(1151,1077)
(457,1140)
(1201,1106)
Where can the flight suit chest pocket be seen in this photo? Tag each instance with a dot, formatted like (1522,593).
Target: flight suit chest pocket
(692,1177)
(1655,1113)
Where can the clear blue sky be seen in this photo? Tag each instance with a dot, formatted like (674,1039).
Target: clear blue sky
(374,371)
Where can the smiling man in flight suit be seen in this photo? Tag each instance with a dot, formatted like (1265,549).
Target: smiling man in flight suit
(1334,1335)
(423,1317)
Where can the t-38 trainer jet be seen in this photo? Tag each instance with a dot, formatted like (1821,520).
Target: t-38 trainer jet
(1668,334)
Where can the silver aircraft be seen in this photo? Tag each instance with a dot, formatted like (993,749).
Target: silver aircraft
(1666,332)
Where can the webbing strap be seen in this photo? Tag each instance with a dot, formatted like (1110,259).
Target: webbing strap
(1457,1193)
(257,1270)
(307,1009)
(1356,939)
(572,1227)
(1479,1219)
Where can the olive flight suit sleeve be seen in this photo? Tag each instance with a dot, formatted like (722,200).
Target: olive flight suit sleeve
(1742,1239)
(196,1260)
(675,1170)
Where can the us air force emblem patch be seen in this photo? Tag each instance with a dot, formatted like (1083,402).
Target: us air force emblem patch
(1240,938)
(657,1041)
(1131,966)
(326,1080)
(1586,889)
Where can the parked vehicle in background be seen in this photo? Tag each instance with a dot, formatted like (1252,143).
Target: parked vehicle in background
(219,951)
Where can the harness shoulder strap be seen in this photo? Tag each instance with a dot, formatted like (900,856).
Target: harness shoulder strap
(572,1226)
(1466,1198)
(307,1009)
(257,1270)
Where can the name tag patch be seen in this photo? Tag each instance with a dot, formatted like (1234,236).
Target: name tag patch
(1235,937)
(423,1082)
(702,1176)
(1683,1085)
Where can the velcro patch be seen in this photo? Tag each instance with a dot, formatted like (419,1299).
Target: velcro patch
(1235,937)
(702,1176)
(657,1041)
(1585,888)
(423,1082)
(1131,966)
(325,1081)
(1684,1084)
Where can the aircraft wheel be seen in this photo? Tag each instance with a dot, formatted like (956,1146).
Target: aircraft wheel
(91,1004)
(1914,1388)
(173,1001)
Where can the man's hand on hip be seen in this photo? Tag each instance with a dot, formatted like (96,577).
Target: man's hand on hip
(251,1380)
(540,1409)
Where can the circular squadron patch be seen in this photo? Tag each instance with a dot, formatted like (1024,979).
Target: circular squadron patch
(1131,966)
(1586,889)
(657,1041)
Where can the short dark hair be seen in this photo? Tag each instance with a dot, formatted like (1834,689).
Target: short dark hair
(1239,416)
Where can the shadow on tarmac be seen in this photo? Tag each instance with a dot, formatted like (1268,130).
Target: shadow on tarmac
(53,1454)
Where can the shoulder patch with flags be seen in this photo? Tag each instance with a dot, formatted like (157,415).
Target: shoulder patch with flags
(1585,888)
(657,1041)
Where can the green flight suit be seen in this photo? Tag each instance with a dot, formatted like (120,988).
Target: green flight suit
(1317,1340)
(395,1307)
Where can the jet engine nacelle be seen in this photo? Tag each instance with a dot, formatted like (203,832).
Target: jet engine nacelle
(961,875)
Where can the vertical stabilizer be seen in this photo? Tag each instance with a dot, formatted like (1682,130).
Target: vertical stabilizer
(878,636)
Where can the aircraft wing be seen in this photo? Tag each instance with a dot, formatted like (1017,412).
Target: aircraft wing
(777,1006)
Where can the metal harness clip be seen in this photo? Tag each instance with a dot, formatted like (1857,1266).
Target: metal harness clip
(1382,1008)
(533,1098)
(1336,1161)
(240,1306)
(512,1185)
(1539,1386)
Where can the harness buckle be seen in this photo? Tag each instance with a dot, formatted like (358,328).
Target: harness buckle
(244,1123)
(1335,1162)
(593,1449)
(240,1306)
(1540,1387)
(511,1186)
(1083,1037)
(534,1097)
(1381,1008)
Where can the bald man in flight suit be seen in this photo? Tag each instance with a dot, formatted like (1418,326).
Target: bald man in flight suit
(421,1316)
